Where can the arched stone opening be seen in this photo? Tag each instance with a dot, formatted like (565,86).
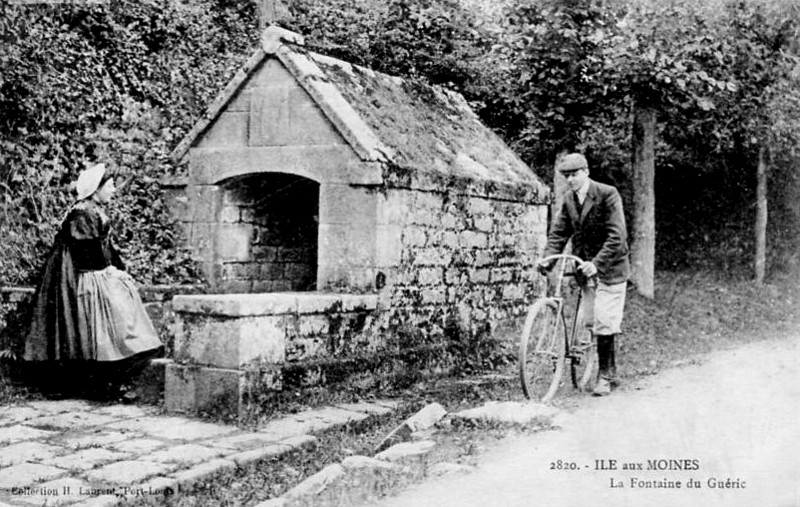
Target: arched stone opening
(269,228)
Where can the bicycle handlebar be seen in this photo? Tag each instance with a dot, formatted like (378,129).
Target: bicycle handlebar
(550,258)
(578,260)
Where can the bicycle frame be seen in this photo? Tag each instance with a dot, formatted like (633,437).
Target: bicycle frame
(559,299)
(543,351)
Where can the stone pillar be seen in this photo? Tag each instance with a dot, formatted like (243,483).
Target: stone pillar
(348,217)
(270,12)
(204,203)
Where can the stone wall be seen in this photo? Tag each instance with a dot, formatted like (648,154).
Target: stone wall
(461,258)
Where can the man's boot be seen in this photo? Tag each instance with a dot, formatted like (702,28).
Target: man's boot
(606,377)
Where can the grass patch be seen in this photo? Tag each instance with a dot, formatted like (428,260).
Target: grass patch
(695,313)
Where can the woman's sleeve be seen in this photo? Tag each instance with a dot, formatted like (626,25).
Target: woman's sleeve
(84,226)
(86,241)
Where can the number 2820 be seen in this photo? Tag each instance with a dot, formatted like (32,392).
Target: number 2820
(563,465)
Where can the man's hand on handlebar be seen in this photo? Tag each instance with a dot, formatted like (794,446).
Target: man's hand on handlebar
(588,269)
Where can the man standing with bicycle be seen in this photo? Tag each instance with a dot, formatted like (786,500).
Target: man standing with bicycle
(591,215)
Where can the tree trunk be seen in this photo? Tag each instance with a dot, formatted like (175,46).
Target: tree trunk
(761,216)
(643,245)
(559,187)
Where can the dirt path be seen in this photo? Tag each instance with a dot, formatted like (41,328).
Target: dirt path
(730,427)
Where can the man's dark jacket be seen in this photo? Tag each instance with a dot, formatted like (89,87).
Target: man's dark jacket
(597,230)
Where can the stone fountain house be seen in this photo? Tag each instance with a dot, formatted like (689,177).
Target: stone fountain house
(345,220)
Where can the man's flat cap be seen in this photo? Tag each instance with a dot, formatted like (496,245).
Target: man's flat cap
(572,162)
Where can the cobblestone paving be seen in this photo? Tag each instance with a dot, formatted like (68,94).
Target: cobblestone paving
(81,454)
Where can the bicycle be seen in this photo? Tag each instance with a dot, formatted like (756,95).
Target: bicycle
(543,355)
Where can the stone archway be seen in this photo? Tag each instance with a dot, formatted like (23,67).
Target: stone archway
(268,233)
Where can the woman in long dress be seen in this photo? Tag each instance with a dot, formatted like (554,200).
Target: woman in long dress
(88,321)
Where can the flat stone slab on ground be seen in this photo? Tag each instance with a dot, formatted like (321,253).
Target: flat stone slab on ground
(27,451)
(174,428)
(188,454)
(310,421)
(244,441)
(138,445)
(412,455)
(26,474)
(317,482)
(93,438)
(509,412)
(192,475)
(292,427)
(70,420)
(246,457)
(402,451)
(128,472)
(19,433)
(356,463)
(423,420)
(127,411)
(12,415)
(59,406)
(337,416)
(87,459)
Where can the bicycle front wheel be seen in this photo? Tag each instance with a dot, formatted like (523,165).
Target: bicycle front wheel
(542,351)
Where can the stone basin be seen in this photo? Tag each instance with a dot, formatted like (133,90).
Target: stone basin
(230,349)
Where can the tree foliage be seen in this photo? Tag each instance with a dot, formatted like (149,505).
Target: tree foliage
(418,39)
(122,82)
(118,83)
(573,69)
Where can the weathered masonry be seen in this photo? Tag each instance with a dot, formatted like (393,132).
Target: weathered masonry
(341,215)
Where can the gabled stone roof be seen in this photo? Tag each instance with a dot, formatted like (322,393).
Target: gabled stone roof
(383,118)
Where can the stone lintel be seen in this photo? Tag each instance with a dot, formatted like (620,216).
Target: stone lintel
(328,163)
(278,303)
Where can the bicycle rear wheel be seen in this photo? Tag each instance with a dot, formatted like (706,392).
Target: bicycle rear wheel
(582,358)
(542,351)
